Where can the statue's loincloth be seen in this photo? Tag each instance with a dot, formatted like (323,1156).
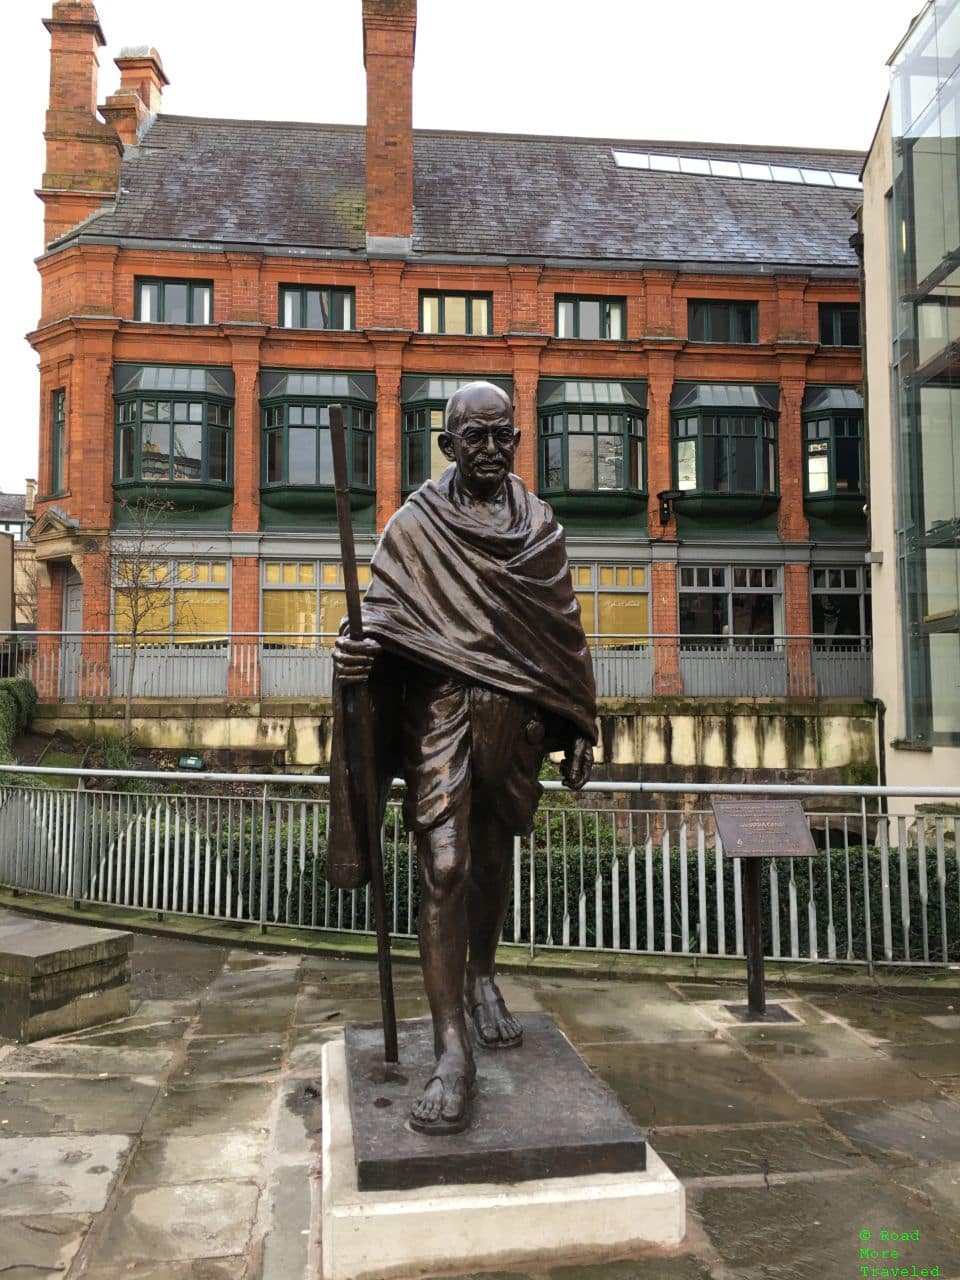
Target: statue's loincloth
(464,742)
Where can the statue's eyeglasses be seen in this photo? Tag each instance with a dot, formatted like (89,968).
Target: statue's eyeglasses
(474,436)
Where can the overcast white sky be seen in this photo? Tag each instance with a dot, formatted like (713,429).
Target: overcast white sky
(808,72)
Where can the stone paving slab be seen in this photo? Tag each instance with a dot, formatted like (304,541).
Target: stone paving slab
(199,1269)
(179,1158)
(61,1104)
(210,1108)
(88,1059)
(60,1174)
(178,1223)
(742,1151)
(40,1247)
(908,1133)
(805,1229)
(213,1058)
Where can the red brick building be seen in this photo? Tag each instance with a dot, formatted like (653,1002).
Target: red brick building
(678,325)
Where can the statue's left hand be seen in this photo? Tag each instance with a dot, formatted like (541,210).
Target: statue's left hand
(577,764)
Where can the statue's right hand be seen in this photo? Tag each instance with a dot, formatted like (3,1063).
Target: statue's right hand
(353,659)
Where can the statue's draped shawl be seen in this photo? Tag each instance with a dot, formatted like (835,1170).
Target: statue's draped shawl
(493,606)
(498,608)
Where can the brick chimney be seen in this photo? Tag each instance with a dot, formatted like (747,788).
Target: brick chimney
(389,37)
(83,153)
(137,100)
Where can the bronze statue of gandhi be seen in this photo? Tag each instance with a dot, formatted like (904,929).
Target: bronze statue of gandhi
(478,667)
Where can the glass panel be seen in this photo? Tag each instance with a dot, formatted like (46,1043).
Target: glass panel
(715,464)
(818,467)
(318,316)
(610,462)
(745,464)
(141,612)
(274,458)
(186,571)
(125,461)
(330,573)
(615,320)
(175,303)
(413,445)
(697,321)
(306,571)
(324,457)
(333,610)
(580,461)
(638,577)
(742,328)
(623,614)
(219,454)
(769,467)
(187,452)
(846,453)
(850,326)
(362,458)
(583,575)
(635,448)
(719,323)
(752,614)
(945,682)
(431,313)
(553,463)
(301,455)
(290,611)
(290,299)
(218,572)
(454,313)
(200,613)
(564,319)
(686,464)
(836,615)
(587,619)
(148,302)
(202,304)
(363,575)
(480,315)
(271,572)
(154,451)
(606,575)
(589,319)
(702,614)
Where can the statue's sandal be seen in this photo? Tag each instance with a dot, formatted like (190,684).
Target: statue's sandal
(448,1124)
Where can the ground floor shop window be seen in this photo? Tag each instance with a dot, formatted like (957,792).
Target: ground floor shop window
(740,604)
(614,602)
(178,601)
(840,606)
(302,599)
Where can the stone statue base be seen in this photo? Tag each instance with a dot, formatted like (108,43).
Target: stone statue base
(489,1201)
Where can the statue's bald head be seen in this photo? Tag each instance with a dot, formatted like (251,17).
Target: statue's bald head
(477,400)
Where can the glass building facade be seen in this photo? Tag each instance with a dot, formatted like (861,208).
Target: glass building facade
(925,252)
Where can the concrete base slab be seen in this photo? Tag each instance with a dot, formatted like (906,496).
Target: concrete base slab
(60,977)
(374,1235)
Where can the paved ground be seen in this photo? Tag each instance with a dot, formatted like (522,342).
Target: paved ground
(183,1142)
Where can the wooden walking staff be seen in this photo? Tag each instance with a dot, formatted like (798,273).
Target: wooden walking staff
(361,725)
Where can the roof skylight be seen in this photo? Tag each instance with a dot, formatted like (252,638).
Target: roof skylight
(755,171)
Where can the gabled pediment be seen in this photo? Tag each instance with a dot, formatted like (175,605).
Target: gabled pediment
(53,524)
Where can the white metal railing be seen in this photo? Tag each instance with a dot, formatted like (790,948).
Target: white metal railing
(72,666)
(597,873)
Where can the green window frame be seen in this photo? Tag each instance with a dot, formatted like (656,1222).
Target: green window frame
(592,449)
(839,324)
(295,429)
(592,318)
(834,461)
(725,453)
(159,300)
(173,426)
(58,436)
(712,320)
(458,313)
(303,306)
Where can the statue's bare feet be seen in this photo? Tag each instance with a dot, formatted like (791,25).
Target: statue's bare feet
(495,1025)
(445,1105)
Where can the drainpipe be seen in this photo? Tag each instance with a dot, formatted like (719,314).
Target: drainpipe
(880,707)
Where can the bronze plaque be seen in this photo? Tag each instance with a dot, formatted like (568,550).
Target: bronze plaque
(763,829)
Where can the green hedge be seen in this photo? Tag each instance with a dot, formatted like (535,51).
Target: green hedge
(18,701)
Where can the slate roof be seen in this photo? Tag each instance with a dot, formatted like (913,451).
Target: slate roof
(12,506)
(494,195)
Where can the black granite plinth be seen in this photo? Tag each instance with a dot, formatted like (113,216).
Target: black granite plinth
(540,1112)
(773,1013)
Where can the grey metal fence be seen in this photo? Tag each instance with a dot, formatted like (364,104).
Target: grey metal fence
(596,873)
(68,666)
